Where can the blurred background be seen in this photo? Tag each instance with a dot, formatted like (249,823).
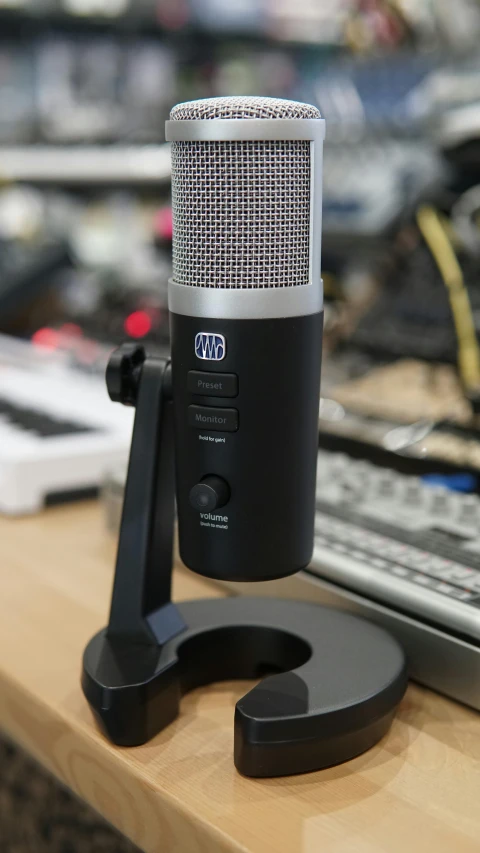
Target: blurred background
(85,218)
(85,254)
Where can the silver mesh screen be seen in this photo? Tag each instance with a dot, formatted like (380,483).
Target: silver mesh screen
(241,210)
(241,107)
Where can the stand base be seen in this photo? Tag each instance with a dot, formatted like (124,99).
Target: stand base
(336,680)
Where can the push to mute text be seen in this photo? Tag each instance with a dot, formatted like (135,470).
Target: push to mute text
(209,519)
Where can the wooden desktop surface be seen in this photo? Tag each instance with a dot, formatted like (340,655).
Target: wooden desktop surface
(418,790)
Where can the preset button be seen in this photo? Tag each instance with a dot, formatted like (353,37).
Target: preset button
(212,384)
(206,417)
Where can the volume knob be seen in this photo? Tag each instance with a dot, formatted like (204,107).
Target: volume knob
(210,493)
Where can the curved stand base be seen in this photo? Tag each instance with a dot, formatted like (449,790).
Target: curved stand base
(335,684)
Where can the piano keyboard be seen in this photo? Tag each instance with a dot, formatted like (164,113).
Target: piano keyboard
(59,432)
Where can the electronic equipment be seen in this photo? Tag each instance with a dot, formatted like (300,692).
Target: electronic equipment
(369,186)
(99,264)
(246,325)
(26,271)
(409,415)
(241,391)
(59,434)
(409,528)
(404,552)
(116,310)
(428,305)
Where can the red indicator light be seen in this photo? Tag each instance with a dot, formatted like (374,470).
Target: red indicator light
(138,324)
(46,338)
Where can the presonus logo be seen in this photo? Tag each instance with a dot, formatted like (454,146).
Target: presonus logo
(211,346)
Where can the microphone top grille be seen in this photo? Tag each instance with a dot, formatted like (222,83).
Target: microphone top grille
(242,107)
(241,208)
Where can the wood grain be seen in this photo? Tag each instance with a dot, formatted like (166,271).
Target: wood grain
(416,791)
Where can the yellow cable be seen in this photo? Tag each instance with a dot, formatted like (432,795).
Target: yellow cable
(330,285)
(437,239)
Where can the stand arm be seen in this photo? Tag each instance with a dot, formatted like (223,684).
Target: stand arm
(141,609)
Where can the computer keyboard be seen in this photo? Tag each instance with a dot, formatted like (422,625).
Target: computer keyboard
(404,552)
(441,584)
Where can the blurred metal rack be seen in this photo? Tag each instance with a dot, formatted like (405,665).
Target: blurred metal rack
(90,164)
(305,26)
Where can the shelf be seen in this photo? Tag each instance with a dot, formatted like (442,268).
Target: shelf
(89,164)
(130,22)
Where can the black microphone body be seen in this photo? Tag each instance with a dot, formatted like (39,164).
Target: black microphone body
(246,354)
(265,530)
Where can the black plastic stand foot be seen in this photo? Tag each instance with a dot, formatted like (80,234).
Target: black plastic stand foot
(343,681)
(334,680)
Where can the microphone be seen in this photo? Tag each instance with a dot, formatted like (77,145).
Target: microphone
(246,314)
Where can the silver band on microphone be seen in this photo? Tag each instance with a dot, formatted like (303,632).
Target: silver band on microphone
(238,303)
(239,130)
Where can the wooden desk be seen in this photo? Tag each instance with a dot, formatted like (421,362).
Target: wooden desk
(419,790)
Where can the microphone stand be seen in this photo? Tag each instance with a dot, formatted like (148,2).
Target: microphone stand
(335,680)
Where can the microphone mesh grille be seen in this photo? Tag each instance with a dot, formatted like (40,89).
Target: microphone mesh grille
(238,106)
(241,209)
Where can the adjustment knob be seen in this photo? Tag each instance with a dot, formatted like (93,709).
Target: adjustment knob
(211,493)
